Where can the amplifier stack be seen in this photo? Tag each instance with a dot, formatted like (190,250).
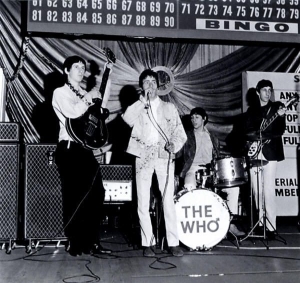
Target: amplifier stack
(31,200)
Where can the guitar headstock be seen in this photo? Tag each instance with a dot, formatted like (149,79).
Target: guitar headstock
(111,58)
(293,100)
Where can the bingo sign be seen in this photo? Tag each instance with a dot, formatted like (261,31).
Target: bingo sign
(249,20)
(286,86)
(202,219)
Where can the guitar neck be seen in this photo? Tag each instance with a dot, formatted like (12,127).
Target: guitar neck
(269,122)
(104,81)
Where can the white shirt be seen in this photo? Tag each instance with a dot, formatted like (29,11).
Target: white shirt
(67,104)
(204,148)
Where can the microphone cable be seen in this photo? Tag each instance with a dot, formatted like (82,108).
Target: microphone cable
(162,133)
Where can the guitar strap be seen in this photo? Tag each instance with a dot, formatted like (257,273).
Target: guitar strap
(76,91)
(78,94)
(264,120)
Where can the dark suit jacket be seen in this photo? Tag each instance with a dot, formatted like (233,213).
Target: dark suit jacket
(273,150)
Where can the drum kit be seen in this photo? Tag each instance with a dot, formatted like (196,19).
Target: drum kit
(203,218)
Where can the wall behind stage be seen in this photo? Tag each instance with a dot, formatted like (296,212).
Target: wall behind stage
(286,181)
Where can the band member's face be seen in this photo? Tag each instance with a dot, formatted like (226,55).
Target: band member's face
(265,94)
(150,87)
(197,121)
(76,72)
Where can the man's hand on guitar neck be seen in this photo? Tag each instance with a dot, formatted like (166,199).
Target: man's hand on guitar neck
(109,65)
(94,93)
(281,111)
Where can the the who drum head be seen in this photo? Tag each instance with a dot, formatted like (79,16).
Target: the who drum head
(202,219)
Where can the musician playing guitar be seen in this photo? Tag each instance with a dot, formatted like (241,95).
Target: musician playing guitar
(271,151)
(82,188)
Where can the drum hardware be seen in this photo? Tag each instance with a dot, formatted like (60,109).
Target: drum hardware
(204,177)
(259,163)
(229,172)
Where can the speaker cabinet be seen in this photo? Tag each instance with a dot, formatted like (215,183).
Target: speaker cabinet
(9,185)
(9,132)
(43,197)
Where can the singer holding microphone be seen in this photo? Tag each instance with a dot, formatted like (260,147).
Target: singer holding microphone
(157,134)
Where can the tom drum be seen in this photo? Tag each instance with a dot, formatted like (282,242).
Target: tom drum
(229,172)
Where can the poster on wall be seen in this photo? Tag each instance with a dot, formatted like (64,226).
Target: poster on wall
(285,85)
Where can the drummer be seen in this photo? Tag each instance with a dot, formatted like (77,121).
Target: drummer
(198,152)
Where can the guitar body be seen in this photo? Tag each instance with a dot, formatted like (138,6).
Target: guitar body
(90,129)
(254,149)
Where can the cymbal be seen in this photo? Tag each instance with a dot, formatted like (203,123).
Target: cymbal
(257,136)
(258,162)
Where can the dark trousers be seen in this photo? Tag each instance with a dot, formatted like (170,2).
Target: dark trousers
(83,193)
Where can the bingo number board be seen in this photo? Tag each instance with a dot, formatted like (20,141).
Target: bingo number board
(238,20)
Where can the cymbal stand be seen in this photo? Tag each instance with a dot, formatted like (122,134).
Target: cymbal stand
(261,220)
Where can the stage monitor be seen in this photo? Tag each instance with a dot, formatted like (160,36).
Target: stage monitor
(225,20)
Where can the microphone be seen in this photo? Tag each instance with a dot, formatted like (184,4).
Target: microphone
(144,94)
(147,95)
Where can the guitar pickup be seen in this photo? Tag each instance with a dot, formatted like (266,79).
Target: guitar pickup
(93,119)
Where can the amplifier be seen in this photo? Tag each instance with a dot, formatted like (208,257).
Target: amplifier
(117,191)
(9,132)
(117,182)
(9,184)
(43,197)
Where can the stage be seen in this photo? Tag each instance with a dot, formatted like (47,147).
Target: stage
(252,260)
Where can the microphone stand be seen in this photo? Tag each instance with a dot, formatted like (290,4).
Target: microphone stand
(260,186)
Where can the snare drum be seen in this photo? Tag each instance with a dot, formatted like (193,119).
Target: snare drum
(203,219)
(229,172)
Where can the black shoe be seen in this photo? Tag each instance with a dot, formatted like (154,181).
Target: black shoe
(86,251)
(74,251)
(148,252)
(176,251)
(98,249)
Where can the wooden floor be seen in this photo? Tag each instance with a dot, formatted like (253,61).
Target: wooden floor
(253,261)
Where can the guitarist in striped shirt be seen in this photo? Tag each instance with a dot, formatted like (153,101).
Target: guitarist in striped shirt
(268,150)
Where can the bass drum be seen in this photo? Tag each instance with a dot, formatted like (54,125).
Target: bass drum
(203,219)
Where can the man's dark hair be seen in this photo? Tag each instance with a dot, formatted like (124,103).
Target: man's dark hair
(72,60)
(148,73)
(200,111)
(263,83)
